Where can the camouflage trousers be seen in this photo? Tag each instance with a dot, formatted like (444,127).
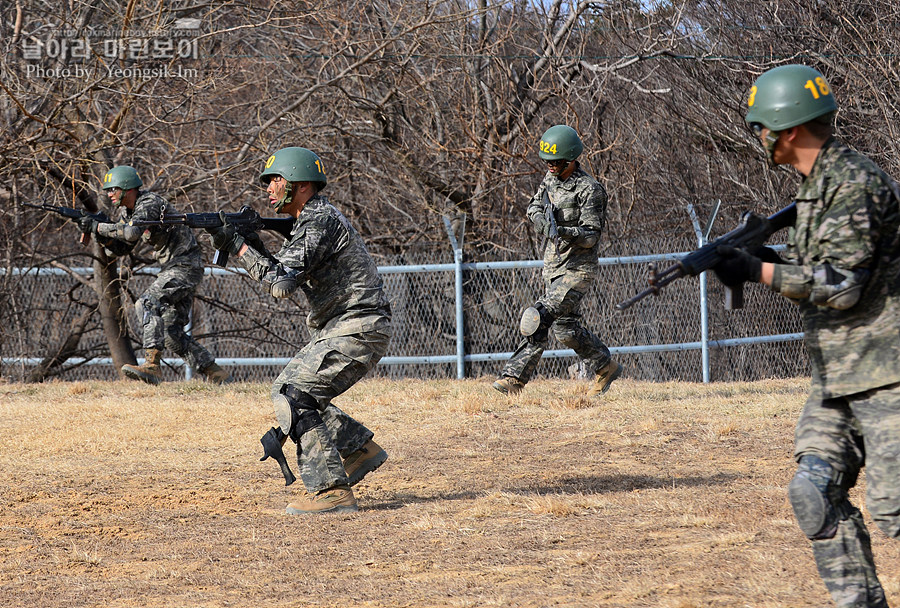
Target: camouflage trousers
(849,433)
(324,369)
(164,309)
(562,300)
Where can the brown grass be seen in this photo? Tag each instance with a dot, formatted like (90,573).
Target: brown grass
(660,495)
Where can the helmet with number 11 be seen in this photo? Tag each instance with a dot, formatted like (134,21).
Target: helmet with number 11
(294,165)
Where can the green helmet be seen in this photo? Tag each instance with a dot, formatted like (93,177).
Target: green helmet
(295,165)
(123,177)
(560,142)
(788,96)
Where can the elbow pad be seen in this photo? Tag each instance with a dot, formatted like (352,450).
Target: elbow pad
(123,232)
(132,233)
(837,289)
(284,285)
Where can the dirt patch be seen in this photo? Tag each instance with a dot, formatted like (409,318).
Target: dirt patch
(667,495)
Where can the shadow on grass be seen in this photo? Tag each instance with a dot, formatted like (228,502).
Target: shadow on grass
(598,484)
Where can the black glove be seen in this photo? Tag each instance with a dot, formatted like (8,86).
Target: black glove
(88,225)
(541,224)
(254,240)
(568,232)
(737,266)
(225,237)
(767,254)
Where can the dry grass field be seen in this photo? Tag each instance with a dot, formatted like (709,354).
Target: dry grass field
(660,495)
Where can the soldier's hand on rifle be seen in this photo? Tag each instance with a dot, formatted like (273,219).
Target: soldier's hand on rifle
(225,237)
(568,233)
(737,266)
(252,239)
(541,224)
(88,225)
(767,254)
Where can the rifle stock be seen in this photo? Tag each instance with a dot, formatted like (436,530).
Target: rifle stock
(752,231)
(272,443)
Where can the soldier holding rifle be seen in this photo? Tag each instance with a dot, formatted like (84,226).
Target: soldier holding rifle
(163,310)
(569,209)
(349,323)
(845,276)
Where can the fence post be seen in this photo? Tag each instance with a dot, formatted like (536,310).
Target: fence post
(704,311)
(460,319)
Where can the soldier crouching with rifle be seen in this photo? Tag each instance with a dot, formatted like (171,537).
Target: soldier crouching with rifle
(349,323)
(569,209)
(163,310)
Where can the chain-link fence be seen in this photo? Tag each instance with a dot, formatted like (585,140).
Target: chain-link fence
(254,334)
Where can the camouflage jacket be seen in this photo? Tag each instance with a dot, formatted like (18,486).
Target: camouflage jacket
(172,245)
(329,261)
(579,203)
(848,217)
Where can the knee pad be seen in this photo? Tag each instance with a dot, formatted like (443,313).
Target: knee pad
(818,498)
(535,323)
(296,412)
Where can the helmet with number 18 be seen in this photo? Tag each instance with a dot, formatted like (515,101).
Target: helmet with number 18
(785,97)
(788,96)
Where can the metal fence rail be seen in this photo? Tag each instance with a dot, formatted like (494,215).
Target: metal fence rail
(450,319)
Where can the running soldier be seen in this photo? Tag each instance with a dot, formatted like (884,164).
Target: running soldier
(569,209)
(349,323)
(164,309)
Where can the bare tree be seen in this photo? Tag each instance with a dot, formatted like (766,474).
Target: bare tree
(420,110)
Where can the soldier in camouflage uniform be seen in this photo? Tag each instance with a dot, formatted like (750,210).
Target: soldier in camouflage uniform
(349,322)
(569,209)
(844,271)
(163,310)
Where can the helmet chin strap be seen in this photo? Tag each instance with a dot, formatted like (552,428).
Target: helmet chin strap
(771,141)
(288,191)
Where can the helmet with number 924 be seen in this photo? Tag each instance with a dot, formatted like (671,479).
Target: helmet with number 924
(560,142)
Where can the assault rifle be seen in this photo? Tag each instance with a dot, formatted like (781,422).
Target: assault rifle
(74,215)
(272,443)
(553,230)
(244,221)
(752,231)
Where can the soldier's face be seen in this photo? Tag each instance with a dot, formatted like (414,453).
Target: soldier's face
(557,166)
(115,195)
(276,189)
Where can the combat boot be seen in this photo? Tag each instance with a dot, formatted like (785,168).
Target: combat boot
(604,378)
(149,371)
(215,374)
(508,385)
(363,461)
(339,499)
